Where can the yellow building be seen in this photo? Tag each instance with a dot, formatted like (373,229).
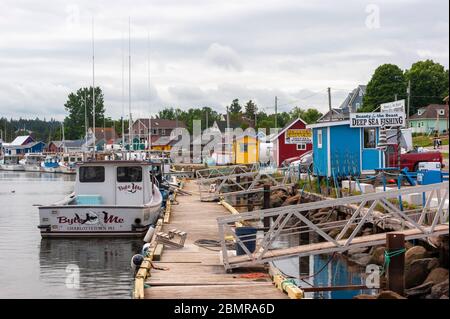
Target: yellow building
(246,150)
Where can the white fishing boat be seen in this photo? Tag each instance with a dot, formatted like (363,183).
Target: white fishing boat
(32,162)
(11,163)
(68,162)
(111,198)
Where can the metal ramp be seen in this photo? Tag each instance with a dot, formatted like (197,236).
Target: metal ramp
(240,180)
(431,219)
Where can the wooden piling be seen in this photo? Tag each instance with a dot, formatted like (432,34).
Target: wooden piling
(266,204)
(395,242)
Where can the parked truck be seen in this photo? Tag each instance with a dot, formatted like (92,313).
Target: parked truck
(411,159)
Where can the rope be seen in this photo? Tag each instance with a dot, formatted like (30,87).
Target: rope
(388,255)
(288,282)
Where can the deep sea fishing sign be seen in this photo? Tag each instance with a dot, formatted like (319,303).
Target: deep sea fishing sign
(377,119)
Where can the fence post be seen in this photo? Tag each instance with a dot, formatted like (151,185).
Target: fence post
(395,242)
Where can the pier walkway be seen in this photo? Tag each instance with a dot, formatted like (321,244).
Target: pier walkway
(198,272)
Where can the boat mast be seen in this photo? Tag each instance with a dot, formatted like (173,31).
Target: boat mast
(123,93)
(149,128)
(129,83)
(93,87)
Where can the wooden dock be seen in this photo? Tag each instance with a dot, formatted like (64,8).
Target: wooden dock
(197,272)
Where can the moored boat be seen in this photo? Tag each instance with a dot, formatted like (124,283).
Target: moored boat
(111,198)
(50,164)
(32,162)
(11,163)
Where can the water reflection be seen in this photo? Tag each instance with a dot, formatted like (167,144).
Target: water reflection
(104,266)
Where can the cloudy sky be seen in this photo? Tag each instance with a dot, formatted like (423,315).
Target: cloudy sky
(208,52)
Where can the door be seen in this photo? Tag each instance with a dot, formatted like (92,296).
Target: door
(129,185)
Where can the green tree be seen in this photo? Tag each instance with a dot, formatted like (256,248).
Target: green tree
(235,107)
(167,113)
(429,84)
(387,81)
(74,123)
(311,116)
(250,109)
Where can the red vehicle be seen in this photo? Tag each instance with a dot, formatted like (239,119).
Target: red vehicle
(411,159)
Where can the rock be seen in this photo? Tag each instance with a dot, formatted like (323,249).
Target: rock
(437,275)
(365,296)
(361,259)
(419,291)
(417,272)
(359,250)
(293,200)
(414,253)
(277,198)
(378,256)
(334,232)
(439,290)
(388,294)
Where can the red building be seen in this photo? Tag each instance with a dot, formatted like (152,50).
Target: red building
(292,141)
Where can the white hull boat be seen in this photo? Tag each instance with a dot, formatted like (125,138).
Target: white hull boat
(111,198)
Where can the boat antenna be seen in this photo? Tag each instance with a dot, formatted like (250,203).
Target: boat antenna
(129,83)
(93,87)
(123,93)
(149,128)
(86,123)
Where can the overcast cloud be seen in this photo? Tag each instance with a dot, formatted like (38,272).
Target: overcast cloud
(207,52)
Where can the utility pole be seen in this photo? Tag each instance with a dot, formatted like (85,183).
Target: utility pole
(256,119)
(93,88)
(329,104)
(276,113)
(408,91)
(228,118)
(399,134)
(207,124)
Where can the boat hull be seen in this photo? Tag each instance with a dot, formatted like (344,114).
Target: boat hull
(32,168)
(97,221)
(12,167)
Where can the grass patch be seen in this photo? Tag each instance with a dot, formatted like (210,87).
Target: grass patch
(426,141)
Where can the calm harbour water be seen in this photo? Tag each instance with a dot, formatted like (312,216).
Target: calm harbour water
(31,267)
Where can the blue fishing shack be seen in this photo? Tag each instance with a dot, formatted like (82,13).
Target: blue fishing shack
(340,150)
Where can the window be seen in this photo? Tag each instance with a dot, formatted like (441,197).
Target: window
(92,174)
(163,131)
(301,147)
(155,131)
(243,147)
(319,138)
(370,137)
(441,112)
(358,105)
(129,174)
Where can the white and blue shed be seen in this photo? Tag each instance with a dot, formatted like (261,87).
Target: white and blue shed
(340,150)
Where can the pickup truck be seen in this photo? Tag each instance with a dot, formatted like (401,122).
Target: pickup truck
(411,159)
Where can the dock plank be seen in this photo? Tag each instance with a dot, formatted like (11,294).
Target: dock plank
(197,272)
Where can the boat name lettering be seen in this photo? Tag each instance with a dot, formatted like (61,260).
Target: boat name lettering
(130,188)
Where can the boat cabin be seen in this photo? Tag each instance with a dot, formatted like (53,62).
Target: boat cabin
(113,183)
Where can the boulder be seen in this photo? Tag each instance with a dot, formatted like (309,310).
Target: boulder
(419,291)
(440,290)
(277,198)
(378,255)
(437,275)
(361,259)
(293,200)
(417,272)
(414,253)
(365,296)
(388,294)
(334,232)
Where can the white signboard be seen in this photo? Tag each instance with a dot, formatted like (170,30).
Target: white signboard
(375,119)
(396,106)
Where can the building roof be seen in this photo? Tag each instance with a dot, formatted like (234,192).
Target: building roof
(106,133)
(20,140)
(430,112)
(73,143)
(222,125)
(58,144)
(29,145)
(352,96)
(160,123)
(338,114)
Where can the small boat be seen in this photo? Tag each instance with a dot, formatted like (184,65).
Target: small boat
(111,198)
(11,163)
(32,162)
(67,163)
(50,164)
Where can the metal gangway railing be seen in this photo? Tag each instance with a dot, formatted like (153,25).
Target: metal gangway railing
(215,183)
(429,219)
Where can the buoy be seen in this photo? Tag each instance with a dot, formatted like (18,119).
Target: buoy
(136,261)
(149,234)
(145,249)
